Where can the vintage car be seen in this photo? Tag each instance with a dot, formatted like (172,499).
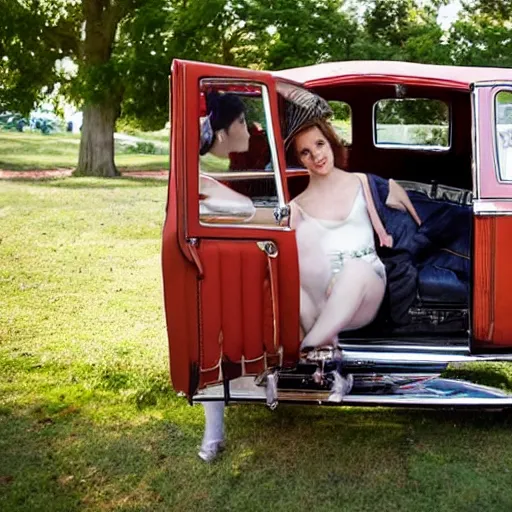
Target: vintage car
(231,284)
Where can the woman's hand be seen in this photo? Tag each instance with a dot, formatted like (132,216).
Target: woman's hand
(385,239)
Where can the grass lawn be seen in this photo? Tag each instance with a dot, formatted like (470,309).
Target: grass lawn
(89,422)
(31,151)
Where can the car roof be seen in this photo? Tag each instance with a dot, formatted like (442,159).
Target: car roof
(332,73)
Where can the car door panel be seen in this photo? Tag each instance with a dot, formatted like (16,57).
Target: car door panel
(233,309)
(236,304)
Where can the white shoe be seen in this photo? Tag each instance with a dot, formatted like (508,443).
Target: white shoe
(210,451)
(341,386)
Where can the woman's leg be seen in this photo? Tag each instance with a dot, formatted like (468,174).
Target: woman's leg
(354,301)
(314,273)
(314,264)
(309,311)
(213,438)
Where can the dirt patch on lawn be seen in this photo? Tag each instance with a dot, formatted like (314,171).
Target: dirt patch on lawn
(35,175)
(64,173)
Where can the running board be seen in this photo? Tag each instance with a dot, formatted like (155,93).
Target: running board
(371,390)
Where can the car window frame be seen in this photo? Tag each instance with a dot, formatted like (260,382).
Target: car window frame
(412,147)
(495,151)
(276,171)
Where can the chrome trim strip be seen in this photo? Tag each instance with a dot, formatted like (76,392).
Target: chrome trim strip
(455,349)
(238,175)
(494,207)
(273,148)
(266,227)
(492,214)
(476,144)
(368,401)
(375,357)
(491,83)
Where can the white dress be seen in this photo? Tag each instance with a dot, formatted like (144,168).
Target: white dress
(350,238)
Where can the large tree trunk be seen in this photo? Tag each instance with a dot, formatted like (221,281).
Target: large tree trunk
(96,156)
(103,97)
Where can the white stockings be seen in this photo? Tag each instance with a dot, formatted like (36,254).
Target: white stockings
(213,439)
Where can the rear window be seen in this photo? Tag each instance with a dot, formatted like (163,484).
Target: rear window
(413,123)
(342,120)
(503,113)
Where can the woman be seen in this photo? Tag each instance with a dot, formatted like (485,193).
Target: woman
(223,131)
(342,279)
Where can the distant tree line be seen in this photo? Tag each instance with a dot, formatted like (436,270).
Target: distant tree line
(123,48)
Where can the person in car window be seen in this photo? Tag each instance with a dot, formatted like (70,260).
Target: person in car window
(223,131)
(342,279)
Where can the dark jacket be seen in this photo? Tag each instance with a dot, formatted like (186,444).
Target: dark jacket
(428,262)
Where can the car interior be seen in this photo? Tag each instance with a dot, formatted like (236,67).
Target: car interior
(428,294)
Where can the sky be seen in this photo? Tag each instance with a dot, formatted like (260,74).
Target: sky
(448,13)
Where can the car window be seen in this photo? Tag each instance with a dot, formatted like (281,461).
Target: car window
(415,123)
(503,121)
(238,163)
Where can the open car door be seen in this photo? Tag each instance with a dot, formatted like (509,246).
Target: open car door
(231,283)
(492,293)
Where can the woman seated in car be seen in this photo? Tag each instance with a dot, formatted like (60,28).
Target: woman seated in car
(342,279)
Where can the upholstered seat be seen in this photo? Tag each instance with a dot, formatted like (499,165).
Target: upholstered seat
(437,285)
(428,273)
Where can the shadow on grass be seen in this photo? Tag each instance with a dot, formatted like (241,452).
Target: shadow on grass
(97,455)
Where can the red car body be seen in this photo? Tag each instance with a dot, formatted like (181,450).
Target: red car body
(232,291)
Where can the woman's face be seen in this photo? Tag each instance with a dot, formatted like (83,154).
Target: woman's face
(314,151)
(237,135)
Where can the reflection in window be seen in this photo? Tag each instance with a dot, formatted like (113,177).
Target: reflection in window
(416,123)
(236,179)
(503,113)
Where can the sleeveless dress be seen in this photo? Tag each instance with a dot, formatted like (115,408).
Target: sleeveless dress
(350,238)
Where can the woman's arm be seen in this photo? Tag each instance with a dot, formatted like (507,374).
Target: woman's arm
(295,216)
(218,199)
(398,199)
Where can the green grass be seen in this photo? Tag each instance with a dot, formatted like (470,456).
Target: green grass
(157,135)
(32,151)
(89,422)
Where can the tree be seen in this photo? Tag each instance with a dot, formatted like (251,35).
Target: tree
(402,30)
(33,36)
(482,34)
(35,33)
(124,48)
(100,84)
(292,33)
(213,31)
